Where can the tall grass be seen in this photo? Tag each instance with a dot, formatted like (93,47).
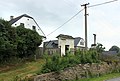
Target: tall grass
(57,63)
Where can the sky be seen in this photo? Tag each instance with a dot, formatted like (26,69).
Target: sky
(103,20)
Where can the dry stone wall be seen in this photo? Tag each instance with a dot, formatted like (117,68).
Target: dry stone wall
(78,72)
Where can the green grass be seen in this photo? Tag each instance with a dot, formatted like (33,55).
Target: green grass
(102,78)
(22,70)
(31,68)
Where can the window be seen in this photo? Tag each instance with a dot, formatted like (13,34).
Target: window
(82,42)
(22,24)
(34,28)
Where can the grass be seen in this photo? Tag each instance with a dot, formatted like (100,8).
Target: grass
(102,78)
(31,68)
(22,70)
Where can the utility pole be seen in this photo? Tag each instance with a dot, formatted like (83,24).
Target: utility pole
(85,6)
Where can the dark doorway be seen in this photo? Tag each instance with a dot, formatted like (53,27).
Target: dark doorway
(66,48)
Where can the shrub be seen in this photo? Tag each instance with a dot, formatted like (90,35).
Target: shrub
(57,63)
(52,64)
(17,42)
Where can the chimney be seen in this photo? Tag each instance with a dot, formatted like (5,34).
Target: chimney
(11,17)
(94,39)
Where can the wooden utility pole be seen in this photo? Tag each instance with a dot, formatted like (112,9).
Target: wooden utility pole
(85,6)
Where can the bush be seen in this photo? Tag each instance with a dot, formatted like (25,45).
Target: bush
(57,63)
(52,64)
(17,42)
(27,42)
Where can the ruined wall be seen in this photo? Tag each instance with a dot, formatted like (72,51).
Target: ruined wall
(78,72)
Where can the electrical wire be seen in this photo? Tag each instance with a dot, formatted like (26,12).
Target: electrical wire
(102,3)
(78,13)
(65,22)
(70,5)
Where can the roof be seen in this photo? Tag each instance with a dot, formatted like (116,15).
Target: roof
(65,36)
(25,15)
(51,44)
(76,40)
(19,17)
(109,53)
(54,43)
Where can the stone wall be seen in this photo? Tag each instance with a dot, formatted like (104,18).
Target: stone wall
(78,72)
(51,51)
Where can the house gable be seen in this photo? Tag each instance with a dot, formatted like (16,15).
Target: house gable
(79,42)
(62,36)
(12,21)
(28,22)
(65,43)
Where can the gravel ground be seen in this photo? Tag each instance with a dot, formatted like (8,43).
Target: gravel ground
(115,79)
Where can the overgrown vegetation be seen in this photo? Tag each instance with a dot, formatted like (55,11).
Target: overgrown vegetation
(57,63)
(16,42)
(115,48)
(19,43)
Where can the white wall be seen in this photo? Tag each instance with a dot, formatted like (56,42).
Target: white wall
(28,23)
(82,40)
(63,42)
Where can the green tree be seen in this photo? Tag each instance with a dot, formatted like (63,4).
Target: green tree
(7,41)
(27,41)
(115,48)
(100,48)
(17,41)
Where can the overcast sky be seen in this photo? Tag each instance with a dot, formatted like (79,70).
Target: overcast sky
(103,20)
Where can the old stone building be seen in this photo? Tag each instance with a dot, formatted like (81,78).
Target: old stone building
(64,44)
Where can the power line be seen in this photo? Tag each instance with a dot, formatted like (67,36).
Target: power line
(78,13)
(85,6)
(68,3)
(102,3)
(65,22)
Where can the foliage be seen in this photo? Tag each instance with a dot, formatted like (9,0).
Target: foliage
(52,64)
(100,48)
(115,48)
(57,63)
(17,42)
(7,41)
(27,41)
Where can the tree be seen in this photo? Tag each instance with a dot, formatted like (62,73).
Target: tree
(17,41)
(7,41)
(27,41)
(115,48)
(100,48)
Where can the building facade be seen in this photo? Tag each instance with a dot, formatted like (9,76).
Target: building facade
(28,22)
(64,44)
